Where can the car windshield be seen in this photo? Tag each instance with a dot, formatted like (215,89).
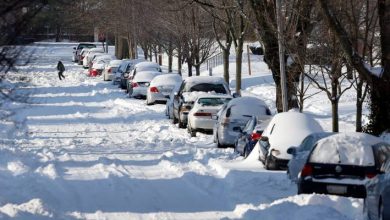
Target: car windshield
(213,101)
(81,46)
(207,87)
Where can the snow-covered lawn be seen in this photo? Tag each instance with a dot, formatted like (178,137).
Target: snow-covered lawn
(81,149)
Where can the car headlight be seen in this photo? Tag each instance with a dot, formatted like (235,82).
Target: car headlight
(275,153)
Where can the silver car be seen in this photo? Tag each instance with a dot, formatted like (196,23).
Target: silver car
(233,116)
(161,87)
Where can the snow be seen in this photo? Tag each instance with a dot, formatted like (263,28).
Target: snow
(293,127)
(247,106)
(166,80)
(81,149)
(346,149)
(145,76)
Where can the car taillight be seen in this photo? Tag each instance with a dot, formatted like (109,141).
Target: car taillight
(94,72)
(307,170)
(153,89)
(202,114)
(370,175)
(255,136)
(109,70)
(134,84)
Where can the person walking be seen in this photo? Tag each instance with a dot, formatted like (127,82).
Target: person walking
(61,69)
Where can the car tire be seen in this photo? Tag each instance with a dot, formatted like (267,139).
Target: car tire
(191,131)
(181,123)
(269,164)
(381,210)
(174,119)
(302,189)
(219,145)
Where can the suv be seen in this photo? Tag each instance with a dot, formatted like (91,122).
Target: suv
(77,50)
(189,91)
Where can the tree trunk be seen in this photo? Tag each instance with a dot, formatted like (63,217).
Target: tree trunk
(179,60)
(189,64)
(170,57)
(159,55)
(335,115)
(239,51)
(197,66)
(150,53)
(225,54)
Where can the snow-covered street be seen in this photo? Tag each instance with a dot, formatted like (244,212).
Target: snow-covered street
(80,148)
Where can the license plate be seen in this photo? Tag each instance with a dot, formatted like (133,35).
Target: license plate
(336,189)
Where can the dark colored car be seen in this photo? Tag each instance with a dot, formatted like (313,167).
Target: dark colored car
(188,91)
(249,136)
(377,202)
(341,164)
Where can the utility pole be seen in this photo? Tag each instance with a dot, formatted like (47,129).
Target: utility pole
(249,60)
(281,55)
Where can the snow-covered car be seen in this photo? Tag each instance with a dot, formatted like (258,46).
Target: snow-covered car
(110,69)
(301,152)
(341,164)
(249,136)
(188,92)
(99,62)
(285,129)
(205,106)
(377,201)
(233,116)
(140,67)
(82,54)
(90,55)
(78,48)
(161,87)
(140,83)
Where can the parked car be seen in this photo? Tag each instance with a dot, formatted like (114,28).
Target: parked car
(301,152)
(188,92)
(90,55)
(82,54)
(248,137)
(140,83)
(140,67)
(161,87)
(377,201)
(99,63)
(200,116)
(233,116)
(169,104)
(78,48)
(285,129)
(341,164)
(110,69)
(124,72)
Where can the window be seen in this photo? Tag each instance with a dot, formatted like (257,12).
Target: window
(207,87)
(213,101)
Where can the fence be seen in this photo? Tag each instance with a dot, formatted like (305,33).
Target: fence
(214,61)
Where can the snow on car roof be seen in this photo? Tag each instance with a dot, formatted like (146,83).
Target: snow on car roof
(213,95)
(105,57)
(147,64)
(288,129)
(346,148)
(166,79)
(96,50)
(146,76)
(247,100)
(204,79)
(192,96)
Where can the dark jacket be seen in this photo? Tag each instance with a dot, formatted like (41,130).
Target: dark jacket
(60,66)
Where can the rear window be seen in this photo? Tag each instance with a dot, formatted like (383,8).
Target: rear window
(330,152)
(81,46)
(207,87)
(244,111)
(213,101)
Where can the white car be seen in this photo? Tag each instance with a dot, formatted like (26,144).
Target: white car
(110,69)
(79,48)
(82,54)
(140,83)
(140,67)
(285,129)
(89,56)
(200,116)
(161,87)
(99,62)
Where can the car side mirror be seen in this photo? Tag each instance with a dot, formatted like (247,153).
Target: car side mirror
(264,138)
(292,150)
(237,129)
(236,95)
(74,48)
